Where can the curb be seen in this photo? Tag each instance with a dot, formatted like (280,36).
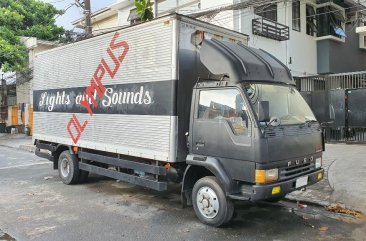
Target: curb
(28,148)
(306,202)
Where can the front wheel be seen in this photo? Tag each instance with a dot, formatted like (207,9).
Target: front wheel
(210,204)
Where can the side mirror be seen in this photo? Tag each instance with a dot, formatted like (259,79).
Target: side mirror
(263,111)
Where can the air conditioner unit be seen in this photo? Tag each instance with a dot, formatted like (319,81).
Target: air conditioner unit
(362,32)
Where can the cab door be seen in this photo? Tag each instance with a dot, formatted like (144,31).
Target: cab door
(221,126)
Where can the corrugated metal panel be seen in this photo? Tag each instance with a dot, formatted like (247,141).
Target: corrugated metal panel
(149,59)
(149,55)
(138,135)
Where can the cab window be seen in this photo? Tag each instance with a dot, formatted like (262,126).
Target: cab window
(225,104)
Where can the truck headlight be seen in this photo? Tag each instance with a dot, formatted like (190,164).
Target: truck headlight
(318,162)
(265,176)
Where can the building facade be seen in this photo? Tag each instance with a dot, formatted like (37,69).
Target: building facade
(310,36)
(19,109)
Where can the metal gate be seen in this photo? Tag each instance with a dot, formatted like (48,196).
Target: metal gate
(346,95)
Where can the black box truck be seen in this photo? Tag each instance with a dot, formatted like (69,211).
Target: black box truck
(176,100)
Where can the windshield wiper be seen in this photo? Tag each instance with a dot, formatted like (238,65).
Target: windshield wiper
(308,122)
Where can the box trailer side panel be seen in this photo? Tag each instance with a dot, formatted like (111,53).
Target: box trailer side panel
(136,114)
(148,72)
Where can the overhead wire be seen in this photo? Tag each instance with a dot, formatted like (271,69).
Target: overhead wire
(280,1)
(59,1)
(284,7)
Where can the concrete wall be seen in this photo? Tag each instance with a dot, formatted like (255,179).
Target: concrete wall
(123,15)
(340,57)
(224,19)
(24,96)
(167,6)
(163,8)
(109,22)
(24,92)
(302,47)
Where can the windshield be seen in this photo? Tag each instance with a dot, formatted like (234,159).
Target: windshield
(285,102)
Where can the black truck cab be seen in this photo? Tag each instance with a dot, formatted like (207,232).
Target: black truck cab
(251,129)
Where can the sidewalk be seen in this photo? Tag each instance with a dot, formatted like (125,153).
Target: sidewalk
(344,181)
(18,141)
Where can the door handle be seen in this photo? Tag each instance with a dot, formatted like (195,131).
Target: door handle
(200,144)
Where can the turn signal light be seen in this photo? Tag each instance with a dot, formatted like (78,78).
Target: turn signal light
(260,176)
(266,176)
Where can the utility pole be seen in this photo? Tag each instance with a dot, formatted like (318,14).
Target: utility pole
(87,14)
(156,9)
(3,100)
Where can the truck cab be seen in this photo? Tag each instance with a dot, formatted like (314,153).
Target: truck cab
(251,129)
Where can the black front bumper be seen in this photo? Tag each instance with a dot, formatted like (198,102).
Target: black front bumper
(263,192)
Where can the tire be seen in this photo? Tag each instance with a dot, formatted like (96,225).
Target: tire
(83,176)
(68,168)
(208,194)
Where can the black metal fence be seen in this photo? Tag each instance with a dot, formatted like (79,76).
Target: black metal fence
(343,94)
(270,29)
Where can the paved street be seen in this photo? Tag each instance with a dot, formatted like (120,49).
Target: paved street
(35,205)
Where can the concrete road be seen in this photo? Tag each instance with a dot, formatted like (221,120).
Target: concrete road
(35,205)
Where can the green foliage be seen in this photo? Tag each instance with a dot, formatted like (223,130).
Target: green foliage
(30,18)
(144,8)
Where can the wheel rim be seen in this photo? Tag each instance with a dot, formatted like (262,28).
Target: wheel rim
(65,167)
(207,202)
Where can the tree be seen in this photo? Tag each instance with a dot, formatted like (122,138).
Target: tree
(144,9)
(30,18)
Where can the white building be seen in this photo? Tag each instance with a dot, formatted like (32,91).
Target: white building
(20,111)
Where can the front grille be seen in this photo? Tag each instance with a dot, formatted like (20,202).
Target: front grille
(290,130)
(296,170)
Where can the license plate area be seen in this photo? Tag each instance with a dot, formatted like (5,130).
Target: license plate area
(302,181)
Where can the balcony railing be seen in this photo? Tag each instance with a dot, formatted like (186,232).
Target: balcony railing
(270,29)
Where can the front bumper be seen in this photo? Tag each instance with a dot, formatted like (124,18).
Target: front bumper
(263,192)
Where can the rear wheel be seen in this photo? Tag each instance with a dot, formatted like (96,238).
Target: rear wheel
(68,168)
(210,204)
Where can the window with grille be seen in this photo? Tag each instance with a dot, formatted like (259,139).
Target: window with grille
(296,16)
(268,11)
(311,27)
(330,21)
